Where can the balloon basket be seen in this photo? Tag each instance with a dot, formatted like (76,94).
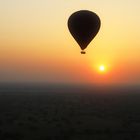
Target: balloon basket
(83,52)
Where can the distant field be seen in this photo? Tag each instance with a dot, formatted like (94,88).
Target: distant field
(70,113)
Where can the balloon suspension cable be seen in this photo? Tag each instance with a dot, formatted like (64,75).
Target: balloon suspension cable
(83,52)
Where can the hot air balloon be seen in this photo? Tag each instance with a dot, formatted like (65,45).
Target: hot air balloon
(84,25)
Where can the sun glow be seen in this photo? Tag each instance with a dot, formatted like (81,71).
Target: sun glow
(102,68)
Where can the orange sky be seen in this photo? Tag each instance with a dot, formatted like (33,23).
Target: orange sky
(36,46)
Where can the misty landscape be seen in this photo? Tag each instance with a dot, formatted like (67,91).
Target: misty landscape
(69,112)
(69,69)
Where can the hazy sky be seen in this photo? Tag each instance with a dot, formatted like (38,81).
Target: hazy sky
(35,44)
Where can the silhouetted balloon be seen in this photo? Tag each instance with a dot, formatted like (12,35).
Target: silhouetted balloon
(84,25)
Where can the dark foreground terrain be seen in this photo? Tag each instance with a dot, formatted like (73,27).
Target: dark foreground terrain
(70,113)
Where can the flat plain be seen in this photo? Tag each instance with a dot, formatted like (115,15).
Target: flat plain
(71,113)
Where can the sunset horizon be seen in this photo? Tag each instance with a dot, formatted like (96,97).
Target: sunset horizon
(69,69)
(37,46)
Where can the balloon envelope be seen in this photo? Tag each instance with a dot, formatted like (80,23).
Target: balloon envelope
(84,25)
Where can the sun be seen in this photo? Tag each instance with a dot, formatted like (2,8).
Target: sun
(102,68)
